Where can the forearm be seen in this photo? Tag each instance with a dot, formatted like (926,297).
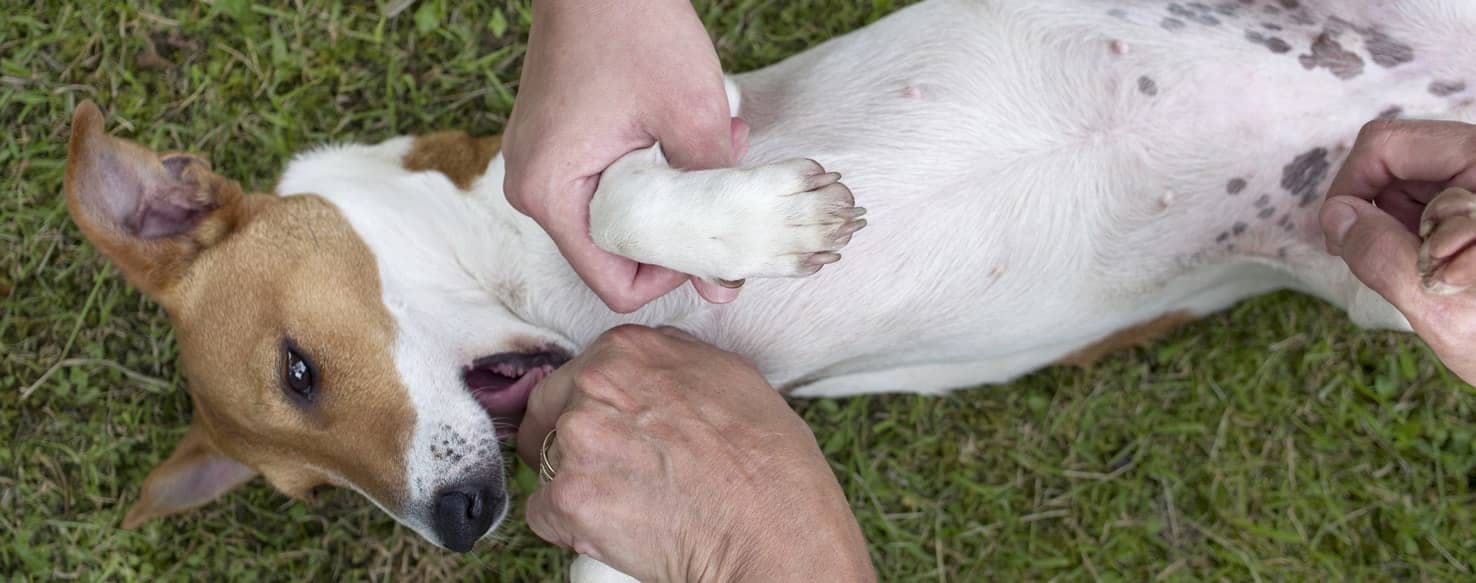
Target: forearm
(651,12)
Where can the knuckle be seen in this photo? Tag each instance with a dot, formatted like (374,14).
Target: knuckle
(518,190)
(598,380)
(564,502)
(580,431)
(1374,131)
(621,304)
(628,336)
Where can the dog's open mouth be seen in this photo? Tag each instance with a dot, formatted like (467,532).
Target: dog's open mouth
(502,382)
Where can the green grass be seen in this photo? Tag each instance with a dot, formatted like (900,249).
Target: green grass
(1273,442)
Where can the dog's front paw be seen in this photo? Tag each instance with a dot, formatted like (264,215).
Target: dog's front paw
(791,219)
(1447,261)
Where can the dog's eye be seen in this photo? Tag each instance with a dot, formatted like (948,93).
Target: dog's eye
(297,374)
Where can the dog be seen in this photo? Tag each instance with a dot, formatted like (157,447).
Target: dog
(1044,181)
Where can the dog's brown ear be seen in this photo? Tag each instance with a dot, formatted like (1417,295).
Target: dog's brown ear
(151,214)
(195,474)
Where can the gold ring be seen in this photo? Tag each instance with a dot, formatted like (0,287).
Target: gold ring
(546,469)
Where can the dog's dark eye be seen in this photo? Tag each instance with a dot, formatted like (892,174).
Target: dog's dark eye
(297,374)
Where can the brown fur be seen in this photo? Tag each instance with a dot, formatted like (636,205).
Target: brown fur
(253,271)
(1129,337)
(456,154)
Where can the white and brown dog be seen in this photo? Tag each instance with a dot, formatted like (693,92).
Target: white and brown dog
(1046,179)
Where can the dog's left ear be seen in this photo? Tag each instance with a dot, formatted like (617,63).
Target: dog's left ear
(151,213)
(195,474)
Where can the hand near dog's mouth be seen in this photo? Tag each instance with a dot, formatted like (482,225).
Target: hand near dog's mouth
(502,382)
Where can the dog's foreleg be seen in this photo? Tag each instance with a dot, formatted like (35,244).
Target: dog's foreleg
(786,219)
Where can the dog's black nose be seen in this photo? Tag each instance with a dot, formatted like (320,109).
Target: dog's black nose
(464,513)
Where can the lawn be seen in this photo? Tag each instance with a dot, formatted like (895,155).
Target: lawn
(1274,442)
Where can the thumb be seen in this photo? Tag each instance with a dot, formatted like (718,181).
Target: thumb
(545,520)
(1381,252)
(702,145)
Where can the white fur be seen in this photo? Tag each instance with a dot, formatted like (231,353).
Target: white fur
(1027,197)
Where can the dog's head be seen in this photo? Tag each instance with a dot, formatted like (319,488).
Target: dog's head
(305,364)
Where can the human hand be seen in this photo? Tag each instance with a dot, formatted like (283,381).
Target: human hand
(1372,218)
(676,461)
(601,79)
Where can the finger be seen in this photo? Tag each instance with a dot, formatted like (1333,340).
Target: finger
(1460,272)
(1405,201)
(624,285)
(1455,234)
(1422,151)
(739,130)
(544,519)
(705,140)
(715,293)
(547,403)
(677,333)
(1382,253)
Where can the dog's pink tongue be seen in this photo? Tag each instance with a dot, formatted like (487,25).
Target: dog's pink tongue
(507,404)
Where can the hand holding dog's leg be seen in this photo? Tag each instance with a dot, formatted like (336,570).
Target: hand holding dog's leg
(603,78)
(1447,261)
(676,461)
(1401,214)
(787,219)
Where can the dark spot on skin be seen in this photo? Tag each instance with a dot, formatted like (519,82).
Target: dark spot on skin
(1235,185)
(1446,88)
(1303,174)
(1239,229)
(1147,86)
(1275,44)
(1222,238)
(1118,13)
(1271,26)
(1263,201)
(1272,9)
(1329,54)
(1387,52)
(1230,247)
(1195,15)
(1281,252)
(1172,24)
(1290,4)
(1392,113)
(1227,8)
(1307,200)
(1382,48)
(1266,212)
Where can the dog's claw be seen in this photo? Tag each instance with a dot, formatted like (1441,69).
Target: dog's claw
(1448,228)
(851,227)
(732,283)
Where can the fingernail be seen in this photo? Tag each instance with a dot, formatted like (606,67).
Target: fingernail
(1337,219)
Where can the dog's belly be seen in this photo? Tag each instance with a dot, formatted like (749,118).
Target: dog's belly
(1043,173)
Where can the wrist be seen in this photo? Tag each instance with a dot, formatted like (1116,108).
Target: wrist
(836,553)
